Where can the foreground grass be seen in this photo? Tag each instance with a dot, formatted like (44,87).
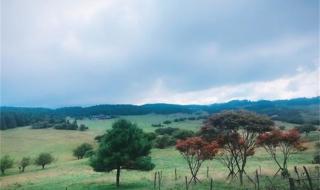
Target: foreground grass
(68,172)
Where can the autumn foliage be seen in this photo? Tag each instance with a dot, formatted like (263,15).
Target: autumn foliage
(195,151)
(236,132)
(285,141)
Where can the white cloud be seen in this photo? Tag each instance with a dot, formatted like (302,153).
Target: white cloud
(303,84)
(81,52)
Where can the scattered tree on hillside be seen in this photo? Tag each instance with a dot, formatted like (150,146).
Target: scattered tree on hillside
(182,134)
(166,130)
(164,141)
(285,141)
(81,150)
(195,151)
(6,162)
(125,146)
(44,159)
(236,133)
(151,136)
(25,161)
(167,122)
(83,127)
(306,128)
(157,125)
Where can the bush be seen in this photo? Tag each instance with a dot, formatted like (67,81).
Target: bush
(6,162)
(157,125)
(66,125)
(41,125)
(151,136)
(81,150)
(26,161)
(83,127)
(167,122)
(44,159)
(182,134)
(316,159)
(306,128)
(164,141)
(89,153)
(166,130)
(98,138)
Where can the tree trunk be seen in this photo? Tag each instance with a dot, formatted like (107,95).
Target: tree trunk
(2,171)
(42,166)
(23,169)
(241,176)
(118,177)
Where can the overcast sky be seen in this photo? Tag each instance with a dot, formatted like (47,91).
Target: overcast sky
(84,52)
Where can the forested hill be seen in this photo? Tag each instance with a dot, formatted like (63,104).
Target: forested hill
(299,110)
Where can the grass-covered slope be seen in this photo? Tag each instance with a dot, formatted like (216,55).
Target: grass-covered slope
(75,174)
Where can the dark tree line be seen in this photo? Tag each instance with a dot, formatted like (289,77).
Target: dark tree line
(300,110)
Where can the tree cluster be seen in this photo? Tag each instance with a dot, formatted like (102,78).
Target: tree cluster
(236,133)
(168,136)
(43,159)
(60,124)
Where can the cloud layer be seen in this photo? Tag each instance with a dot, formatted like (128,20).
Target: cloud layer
(57,53)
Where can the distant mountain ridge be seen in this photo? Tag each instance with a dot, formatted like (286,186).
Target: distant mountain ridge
(298,110)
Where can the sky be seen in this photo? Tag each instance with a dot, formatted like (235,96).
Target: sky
(83,52)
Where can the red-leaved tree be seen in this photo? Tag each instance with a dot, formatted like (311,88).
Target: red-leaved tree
(286,142)
(195,151)
(236,132)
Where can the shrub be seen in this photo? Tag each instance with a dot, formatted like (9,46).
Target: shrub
(26,161)
(83,127)
(316,159)
(44,159)
(151,136)
(81,150)
(306,128)
(89,153)
(6,162)
(67,125)
(167,122)
(41,125)
(157,125)
(166,130)
(98,138)
(164,141)
(182,134)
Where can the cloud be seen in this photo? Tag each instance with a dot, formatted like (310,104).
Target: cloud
(304,84)
(57,53)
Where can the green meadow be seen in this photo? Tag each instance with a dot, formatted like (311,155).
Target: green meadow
(69,173)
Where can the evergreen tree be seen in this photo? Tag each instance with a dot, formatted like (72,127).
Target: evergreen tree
(125,146)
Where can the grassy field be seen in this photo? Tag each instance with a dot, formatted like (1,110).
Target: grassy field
(68,172)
